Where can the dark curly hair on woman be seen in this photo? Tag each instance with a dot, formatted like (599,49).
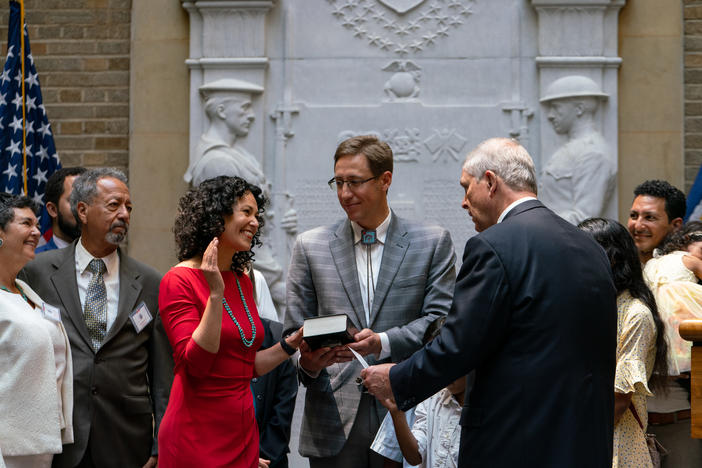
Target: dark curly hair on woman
(201,214)
(690,233)
(626,271)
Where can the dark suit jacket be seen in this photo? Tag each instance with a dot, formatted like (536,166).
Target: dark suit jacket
(534,313)
(119,389)
(274,395)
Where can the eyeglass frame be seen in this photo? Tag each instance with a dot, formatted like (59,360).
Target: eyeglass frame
(352,184)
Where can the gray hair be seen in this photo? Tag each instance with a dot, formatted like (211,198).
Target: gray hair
(509,160)
(85,186)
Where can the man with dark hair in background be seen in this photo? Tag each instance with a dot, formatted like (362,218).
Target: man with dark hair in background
(658,209)
(64,226)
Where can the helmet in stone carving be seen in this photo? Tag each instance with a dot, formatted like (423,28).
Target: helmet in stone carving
(573,86)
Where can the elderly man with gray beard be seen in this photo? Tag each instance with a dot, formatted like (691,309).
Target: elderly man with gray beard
(122,363)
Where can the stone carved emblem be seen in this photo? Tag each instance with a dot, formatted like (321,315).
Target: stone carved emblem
(401,26)
(404,84)
(401,6)
(407,144)
(445,143)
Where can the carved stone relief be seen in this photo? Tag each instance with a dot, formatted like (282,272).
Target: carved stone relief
(382,24)
(431,77)
(408,145)
(442,205)
(445,145)
(578,181)
(404,83)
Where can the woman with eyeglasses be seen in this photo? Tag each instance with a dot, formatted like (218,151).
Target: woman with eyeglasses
(36,379)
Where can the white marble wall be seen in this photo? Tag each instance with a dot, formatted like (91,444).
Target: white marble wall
(432,77)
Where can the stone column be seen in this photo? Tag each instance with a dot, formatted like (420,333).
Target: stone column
(579,38)
(227,40)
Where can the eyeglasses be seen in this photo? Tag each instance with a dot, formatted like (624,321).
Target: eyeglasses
(338,184)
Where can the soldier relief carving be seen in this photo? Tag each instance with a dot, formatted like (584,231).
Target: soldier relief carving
(227,104)
(578,181)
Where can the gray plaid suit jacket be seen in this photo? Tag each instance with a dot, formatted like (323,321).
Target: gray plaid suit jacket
(415,286)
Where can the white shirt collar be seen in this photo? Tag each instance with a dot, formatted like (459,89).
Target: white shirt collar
(512,205)
(381,231)
(60,243)
(83,258)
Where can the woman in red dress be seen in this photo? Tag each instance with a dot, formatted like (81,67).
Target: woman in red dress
(207,307)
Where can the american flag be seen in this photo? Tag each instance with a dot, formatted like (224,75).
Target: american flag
(42,159)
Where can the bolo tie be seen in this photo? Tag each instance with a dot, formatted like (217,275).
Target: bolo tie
(368,238)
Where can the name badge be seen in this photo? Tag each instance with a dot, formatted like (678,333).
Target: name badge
(50,312)
(141,317)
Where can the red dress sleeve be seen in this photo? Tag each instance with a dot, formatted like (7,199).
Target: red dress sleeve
(181,306)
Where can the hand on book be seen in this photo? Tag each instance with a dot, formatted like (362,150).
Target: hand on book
(313,361)
(294,340)
(367,342)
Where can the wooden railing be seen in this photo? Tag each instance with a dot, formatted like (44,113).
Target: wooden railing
(691,330)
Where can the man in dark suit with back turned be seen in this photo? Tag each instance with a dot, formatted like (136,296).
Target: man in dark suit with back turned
(534,313)
(122,363)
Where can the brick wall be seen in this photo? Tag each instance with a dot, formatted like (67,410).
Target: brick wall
(81,51)
(692,24)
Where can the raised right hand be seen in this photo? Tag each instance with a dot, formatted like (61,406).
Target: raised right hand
(210,269)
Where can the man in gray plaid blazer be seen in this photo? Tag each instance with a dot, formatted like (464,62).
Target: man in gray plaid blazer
(391,276)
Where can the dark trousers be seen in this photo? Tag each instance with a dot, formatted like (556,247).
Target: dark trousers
(356,452)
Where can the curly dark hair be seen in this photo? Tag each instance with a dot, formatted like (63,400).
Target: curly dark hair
(7,204)
(626,270)
(675,203)
(680,239)
(201,213)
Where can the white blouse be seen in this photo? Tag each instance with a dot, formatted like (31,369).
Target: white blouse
(36,388)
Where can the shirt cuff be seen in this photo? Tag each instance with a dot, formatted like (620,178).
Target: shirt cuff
(313,375)
(384,346)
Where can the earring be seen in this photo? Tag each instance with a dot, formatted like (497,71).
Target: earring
(0,242)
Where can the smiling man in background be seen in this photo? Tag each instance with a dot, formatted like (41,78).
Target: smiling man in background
(658,209)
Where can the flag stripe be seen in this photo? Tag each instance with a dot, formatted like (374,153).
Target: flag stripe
(27,151)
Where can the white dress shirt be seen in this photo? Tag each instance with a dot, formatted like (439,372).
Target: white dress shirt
(111,277)
(512,205)
(376,256)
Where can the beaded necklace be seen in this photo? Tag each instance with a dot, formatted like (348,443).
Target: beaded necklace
(247,343)
(24,296)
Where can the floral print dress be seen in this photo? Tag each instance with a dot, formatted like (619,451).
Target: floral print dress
(636,353)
